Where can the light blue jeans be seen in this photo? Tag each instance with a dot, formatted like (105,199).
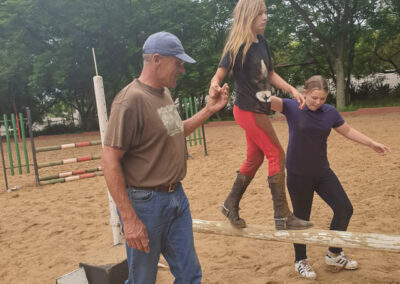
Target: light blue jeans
(169,226)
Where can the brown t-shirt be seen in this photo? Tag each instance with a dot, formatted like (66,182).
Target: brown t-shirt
(145,123)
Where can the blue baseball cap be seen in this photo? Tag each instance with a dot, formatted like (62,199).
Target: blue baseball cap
(165,43)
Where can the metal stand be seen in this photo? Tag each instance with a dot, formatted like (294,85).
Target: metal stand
(3,163)
(35,166)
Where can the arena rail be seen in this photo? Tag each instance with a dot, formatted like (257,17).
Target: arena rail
(317,237)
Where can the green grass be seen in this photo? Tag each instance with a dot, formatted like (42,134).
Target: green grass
(385,102)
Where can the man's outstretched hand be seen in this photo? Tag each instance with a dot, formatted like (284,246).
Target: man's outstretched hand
(218,97)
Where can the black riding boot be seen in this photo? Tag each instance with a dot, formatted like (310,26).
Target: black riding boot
(230,208)
(284,218)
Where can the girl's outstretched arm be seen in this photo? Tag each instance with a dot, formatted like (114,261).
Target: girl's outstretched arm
(215,84)
(276,104)
(355,135)
(279,83)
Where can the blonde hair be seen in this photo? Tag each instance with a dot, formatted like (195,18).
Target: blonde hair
(241,33)
(316,82)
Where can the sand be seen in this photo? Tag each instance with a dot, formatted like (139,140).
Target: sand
(45,232)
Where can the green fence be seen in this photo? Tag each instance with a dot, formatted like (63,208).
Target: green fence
(189,106)
(14,127)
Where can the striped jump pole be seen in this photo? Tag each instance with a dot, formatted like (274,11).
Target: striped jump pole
(71,178)
(68,161)
(68,146)
(71,173)
(311,236)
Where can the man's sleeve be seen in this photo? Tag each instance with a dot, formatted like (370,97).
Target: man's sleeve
(122,129)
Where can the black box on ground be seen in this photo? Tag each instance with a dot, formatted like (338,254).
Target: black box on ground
(115,273)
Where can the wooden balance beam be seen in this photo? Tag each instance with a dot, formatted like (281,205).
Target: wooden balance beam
(311,236)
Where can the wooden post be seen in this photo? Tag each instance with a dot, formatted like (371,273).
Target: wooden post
(311,236)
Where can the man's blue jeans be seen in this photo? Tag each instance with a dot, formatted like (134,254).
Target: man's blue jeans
(169,226)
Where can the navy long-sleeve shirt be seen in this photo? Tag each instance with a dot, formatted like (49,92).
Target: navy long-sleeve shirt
(308,134)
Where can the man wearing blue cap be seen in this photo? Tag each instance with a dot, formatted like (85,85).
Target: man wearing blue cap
(144,161)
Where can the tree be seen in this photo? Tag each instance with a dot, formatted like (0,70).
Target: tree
(292,46)
(332,22)
(386,25)
(54,47)
(45,46)
(17,45)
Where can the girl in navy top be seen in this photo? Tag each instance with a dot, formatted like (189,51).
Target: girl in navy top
(247,55)
(308,167)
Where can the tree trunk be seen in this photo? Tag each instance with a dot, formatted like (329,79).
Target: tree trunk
(340,86)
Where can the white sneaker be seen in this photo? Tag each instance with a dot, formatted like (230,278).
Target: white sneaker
(340,260)
(304,269)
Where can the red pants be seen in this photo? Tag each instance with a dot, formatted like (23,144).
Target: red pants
(261,140)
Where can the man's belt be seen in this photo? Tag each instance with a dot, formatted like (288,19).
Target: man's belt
(169,188)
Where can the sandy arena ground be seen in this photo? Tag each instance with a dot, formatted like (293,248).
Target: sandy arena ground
(45,232)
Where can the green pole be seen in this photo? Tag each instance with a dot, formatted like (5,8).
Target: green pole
(49,177)
(97,142)
(196,110)
(8,144)
(191,112)
(14,125)
(52,181)
(50,164)
(48,148)
(21,122)
(187,116)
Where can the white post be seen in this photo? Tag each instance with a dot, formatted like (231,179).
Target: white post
(103,121)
